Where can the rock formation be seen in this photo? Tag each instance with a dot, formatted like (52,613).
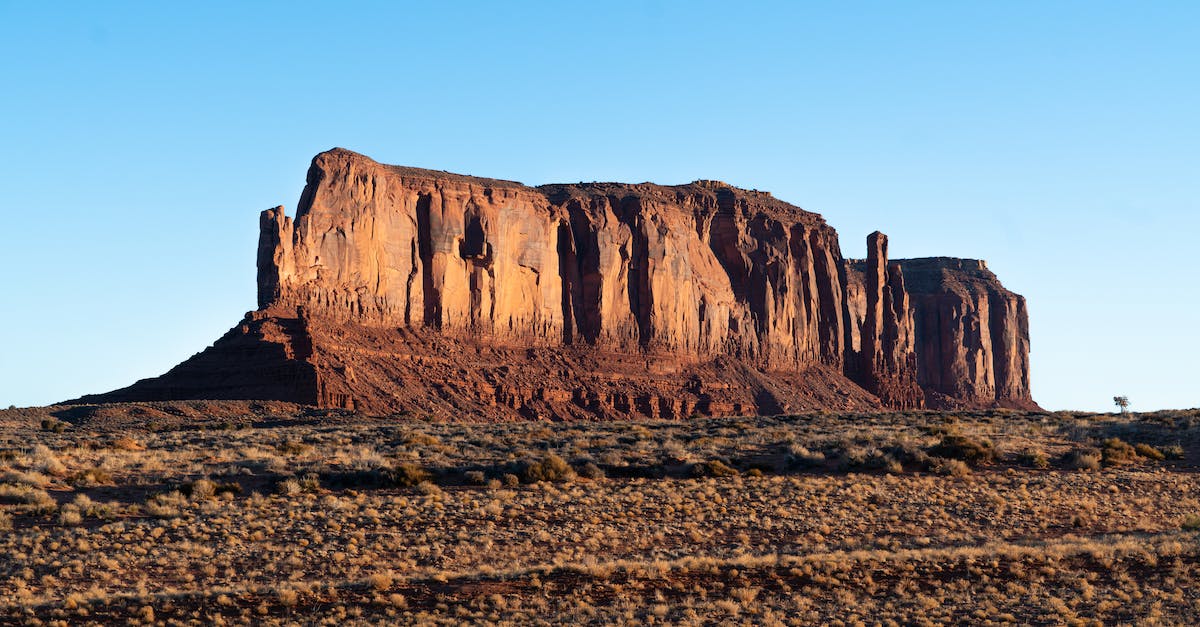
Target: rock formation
(886,363)
(972,335)
(406,290)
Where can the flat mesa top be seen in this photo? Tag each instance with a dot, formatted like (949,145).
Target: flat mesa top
(722,193)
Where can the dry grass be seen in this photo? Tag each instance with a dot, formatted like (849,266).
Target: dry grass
(976,518)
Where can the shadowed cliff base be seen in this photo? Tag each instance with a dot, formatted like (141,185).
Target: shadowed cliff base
(398,289)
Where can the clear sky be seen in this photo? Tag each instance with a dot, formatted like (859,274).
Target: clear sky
(1059,141)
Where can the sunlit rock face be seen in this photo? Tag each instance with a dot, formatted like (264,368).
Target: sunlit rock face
(398,289)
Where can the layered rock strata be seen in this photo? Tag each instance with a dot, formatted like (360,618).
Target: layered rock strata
(398,289)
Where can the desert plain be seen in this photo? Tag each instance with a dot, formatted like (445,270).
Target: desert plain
(228,512)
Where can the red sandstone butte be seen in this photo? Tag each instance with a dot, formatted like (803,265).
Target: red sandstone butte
(401,290)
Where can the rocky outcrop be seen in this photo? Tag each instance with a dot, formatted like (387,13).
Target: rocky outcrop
(400,289)
(886,363)
(694,270)
(972,335)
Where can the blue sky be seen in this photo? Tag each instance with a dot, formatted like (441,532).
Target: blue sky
(1057,140)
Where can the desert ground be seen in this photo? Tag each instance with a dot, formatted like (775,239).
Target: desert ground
(269,513)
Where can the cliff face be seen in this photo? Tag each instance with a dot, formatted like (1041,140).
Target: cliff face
(694,270)
(972,335)
(885,363)
(428,291)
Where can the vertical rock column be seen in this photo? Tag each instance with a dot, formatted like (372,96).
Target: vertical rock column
(888,361)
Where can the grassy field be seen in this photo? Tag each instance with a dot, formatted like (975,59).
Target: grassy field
(253,513)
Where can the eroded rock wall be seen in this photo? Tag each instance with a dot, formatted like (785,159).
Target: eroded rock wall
(886,362)
(405,290)
(694,270)
(972,335)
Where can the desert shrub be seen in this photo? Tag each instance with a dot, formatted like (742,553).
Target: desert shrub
(1191,522)
(1086,458)
(199,489)
(26,495)
(91,509)
(549,467)
(166,505)
(292,486)
(1149,452)
(293,448)
(90,477)
(405,475)
(289,487)
(16,477)
(909,454)
(879,461)
(55,426)
(1033,458)
(800,457)
(421,439)
(511,480)
(589,470)
(1174,451)
(399,476)
(127,444)
(228,488)
(950,467)
(46,461)
(6,523)
(851,456)
(475,477)
(1117,452)
(713,468)
(965,449)
(69,516)
(381,581)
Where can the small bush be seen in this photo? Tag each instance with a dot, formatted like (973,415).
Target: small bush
(69,516)
(127,444)
(294,487)
(5,522)
(1173,451)
(421,439)
(26,495)
(227,488)
(883,462)
(1191,522)
(1087,458)
(293,448)
(475,477)
(1033,458)
(199,489)
(381,581)
(55,426)
(590,470)
(1149,452)
(406,475)
(167,505)
(1117,452)
(950,467)
(800,457)
(714,468)
(549,467)
(429,488)
(963,448)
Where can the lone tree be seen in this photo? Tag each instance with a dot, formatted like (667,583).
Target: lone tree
(1122,402)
